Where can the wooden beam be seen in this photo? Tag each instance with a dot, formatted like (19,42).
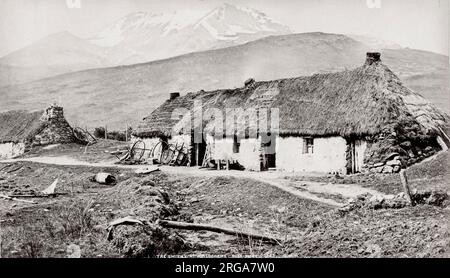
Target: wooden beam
(406,188)
(202,227)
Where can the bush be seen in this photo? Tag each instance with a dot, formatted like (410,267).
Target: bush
(99,132)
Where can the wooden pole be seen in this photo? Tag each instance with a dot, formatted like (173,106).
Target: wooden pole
(197,154)
(405,184)
(15,199)
(106,132)
(202,227)
(126,132)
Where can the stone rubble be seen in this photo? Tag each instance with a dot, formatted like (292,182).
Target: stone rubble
(369,201)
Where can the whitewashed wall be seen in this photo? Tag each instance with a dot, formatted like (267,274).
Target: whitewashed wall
(223,149)
(248,156)
(10,150)
(328,156)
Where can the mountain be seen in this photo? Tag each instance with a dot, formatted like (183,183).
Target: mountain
(125,94)
(375,44)
(143,36)
(55,54)
(136,38)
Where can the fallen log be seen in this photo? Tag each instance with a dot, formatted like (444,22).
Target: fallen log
(37,195)
(202,227)
(15,199)
(15,169)
(1,169)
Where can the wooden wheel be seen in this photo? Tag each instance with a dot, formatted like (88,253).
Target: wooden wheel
(137,150)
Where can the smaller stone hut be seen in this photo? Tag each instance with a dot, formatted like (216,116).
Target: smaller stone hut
(21,130)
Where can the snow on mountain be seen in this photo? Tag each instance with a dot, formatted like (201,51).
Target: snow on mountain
(153,36)
(375,44)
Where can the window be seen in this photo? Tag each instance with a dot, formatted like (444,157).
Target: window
(308,145)
(236,144)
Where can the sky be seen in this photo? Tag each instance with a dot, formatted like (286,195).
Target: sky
(420,24)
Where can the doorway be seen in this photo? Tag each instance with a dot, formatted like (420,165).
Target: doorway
(268,151)
(357,150)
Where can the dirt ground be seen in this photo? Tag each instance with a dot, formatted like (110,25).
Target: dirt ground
(53,226)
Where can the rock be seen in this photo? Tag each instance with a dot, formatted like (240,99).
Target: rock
(376,165)
(394,163)
(388,169)
(396,169)
(406,145)
(73,251)
(379,169)
(391,156)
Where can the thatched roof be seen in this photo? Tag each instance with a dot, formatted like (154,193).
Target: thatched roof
(19,126)
(357,102)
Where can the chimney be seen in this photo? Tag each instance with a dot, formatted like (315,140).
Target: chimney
(54,112)
(249,82)
(373,57)
(174,95)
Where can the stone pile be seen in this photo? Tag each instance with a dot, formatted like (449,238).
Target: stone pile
(399,146)
(369,201)
(393,164)
(56,128)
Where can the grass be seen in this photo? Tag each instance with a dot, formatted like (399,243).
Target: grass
(310,229)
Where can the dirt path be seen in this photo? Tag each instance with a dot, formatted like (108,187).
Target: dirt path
(302,189)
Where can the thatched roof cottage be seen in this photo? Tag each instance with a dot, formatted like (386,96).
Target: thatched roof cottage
(20,130)
(351,121)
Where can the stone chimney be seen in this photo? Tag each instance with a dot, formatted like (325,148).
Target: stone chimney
(54,112)
(57,129)
(174,95)
(373,57)
(249,82)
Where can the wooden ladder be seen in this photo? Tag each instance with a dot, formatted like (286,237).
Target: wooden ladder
(207,156)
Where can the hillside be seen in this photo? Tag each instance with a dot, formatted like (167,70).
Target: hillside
(137,38)
(125,94)
(55,54)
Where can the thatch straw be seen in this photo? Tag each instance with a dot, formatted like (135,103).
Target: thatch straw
(351,103)
(20,126)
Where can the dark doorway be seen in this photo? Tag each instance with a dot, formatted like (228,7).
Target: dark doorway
(198,153)
(268,155)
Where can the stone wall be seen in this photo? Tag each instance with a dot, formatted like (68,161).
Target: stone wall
(56,128)
(399,147)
